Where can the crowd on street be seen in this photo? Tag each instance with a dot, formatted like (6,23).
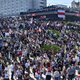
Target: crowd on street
(21,56)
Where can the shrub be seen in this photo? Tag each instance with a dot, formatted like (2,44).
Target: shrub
(53,48)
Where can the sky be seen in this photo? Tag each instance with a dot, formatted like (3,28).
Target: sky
(65,2)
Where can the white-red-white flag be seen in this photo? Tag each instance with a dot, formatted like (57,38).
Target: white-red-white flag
(61,13)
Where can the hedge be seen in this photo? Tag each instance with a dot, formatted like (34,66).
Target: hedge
(53,48)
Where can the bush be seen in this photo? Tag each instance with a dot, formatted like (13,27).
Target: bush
(53,48)
(54,32)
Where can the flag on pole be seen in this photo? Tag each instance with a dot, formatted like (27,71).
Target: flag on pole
(61,13)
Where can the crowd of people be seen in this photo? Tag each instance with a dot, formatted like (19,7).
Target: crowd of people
(21,56)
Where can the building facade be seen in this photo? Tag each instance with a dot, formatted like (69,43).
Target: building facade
(75,4)
(14,7)
(37,4)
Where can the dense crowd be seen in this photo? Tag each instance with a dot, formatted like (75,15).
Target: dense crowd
(21,56)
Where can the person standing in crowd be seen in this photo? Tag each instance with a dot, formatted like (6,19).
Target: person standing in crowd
(6,75)
(26,76)
(48,73)
(56,75)
(0,69)
(12,71)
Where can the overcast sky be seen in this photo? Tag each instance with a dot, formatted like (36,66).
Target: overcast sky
(65,2)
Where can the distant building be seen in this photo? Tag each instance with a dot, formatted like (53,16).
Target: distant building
(61,6)
(75,4)
(14,7)
(37,4)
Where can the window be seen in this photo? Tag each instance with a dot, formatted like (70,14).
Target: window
(41,6)
(41,2)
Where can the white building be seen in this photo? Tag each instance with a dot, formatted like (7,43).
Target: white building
(37,4)
(14,7)
(10,7)
(75,4)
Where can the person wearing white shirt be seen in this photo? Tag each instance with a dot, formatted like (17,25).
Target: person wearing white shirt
(78,52)
(6,75)
(12,71)
(0,69)
(27,66)
(18,74)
